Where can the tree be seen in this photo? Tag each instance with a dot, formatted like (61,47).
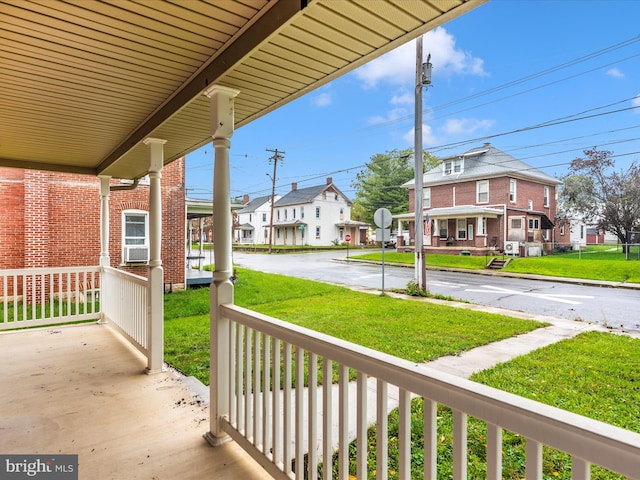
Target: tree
(379,184)
(610,198)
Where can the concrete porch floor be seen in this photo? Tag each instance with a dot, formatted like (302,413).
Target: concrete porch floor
(81,390)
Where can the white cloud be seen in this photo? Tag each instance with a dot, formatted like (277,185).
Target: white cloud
(391,116)
(428,138)
(615,73)
(398,66)
(466,126)
(322,100)
(635,101)
(404,98)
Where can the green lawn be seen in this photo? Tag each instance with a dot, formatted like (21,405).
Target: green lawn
(414,330)
(593,374)
(602,262)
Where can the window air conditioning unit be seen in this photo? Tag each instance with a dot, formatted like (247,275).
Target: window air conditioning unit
(512,248)
(136,254)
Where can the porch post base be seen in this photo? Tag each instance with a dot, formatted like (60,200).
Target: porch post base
(153,371)
(215,441)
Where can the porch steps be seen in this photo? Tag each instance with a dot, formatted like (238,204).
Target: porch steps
(498,263)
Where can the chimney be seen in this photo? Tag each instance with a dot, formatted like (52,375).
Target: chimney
(245,199)
(294,186)
(329,180)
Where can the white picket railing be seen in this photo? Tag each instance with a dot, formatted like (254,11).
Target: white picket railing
(285,428)
(125,304)
(46,296)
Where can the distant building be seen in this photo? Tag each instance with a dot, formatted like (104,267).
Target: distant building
(318,215)
(484,200)
(252,221)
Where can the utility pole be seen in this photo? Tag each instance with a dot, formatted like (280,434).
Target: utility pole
(423,78)
(277,156)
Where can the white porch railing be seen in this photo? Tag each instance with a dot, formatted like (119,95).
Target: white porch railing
(46,296)
(276,426)
(125,304)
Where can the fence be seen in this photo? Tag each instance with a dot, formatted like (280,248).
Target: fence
(288,427)
(126,305)
(45,296)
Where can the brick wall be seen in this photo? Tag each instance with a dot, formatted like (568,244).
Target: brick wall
(11,218)
(53,219)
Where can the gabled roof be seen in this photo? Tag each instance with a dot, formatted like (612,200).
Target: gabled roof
(307,195)
(484,162)
(254,204)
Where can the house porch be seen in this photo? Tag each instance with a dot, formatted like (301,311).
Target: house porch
(81,390)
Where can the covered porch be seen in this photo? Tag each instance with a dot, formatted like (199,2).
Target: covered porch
(81,390)
(464,229)
(166,81)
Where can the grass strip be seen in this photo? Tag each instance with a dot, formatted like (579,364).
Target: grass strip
(417,331)
(594,374)
(599,262)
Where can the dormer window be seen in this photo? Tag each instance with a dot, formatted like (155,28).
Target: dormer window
(453,166)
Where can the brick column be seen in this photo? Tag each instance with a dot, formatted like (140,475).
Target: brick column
(36,219)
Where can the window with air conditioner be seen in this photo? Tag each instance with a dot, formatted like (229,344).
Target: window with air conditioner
(135,236)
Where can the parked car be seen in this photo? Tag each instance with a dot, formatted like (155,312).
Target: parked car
(392,242)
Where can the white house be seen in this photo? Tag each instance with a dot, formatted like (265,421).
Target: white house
(318,215)
(252,225)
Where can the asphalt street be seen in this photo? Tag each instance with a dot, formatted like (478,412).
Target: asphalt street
(616,308)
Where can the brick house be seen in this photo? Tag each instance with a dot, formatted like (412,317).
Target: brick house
(39,221)
(484,200)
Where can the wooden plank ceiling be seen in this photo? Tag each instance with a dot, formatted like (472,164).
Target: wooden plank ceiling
(83,82)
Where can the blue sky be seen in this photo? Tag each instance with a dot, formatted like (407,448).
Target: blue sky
(499,72)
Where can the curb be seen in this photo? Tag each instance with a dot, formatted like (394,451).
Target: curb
(543,278)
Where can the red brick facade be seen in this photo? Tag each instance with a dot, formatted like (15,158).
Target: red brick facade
(51,219)
(529,202)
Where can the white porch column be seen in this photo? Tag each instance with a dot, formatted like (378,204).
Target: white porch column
(222,125)
(156,274)
(104,220)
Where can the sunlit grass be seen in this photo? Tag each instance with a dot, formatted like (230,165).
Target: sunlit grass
(414,330)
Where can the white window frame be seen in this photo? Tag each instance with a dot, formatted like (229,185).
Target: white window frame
(482,226)
(452,167)
(461,228)
(482,188)
(545,199)
(444,222)
(317,233)
(513,186)
(318,213)
(301,212)
(426,197)
(534,224)
(135,212)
